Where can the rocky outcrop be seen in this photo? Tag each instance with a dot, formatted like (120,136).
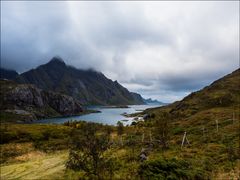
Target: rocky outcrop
(63,104)
(24,99)
(25,95)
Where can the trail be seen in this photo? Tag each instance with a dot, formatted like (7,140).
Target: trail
(44,167)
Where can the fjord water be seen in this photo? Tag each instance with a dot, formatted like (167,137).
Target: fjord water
(107,115)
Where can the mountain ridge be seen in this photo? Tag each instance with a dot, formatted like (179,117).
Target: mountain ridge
(88,86)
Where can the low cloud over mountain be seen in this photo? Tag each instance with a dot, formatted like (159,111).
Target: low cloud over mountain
(163,50)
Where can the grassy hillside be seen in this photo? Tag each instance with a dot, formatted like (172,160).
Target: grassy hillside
(209,117)
(223,93)
(41,152)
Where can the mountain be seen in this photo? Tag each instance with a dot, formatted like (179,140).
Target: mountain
(8,74)
(88,86)
(151,101)
(27,102)
(219,99)
(137,98)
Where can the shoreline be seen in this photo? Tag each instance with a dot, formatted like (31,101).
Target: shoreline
(89,111)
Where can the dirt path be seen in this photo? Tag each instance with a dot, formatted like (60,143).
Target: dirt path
(43,167)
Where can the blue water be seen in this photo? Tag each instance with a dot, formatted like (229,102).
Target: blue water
(107,116)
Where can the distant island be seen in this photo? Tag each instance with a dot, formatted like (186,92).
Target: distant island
(151,101)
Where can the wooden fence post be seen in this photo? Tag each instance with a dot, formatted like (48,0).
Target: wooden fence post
(184,138)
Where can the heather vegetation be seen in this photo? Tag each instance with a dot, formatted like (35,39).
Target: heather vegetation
(95,151)
(190,139)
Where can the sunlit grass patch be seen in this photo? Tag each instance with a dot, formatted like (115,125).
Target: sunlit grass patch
(47,166)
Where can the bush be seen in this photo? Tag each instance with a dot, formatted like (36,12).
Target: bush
(12,150)
(152,115)
(168,169)
(161,131)
(87,149)
(120,128)
(7,137)
(51,145)
(178,130)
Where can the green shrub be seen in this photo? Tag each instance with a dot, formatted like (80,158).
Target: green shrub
(168,169)
(87,151)
(6,136)
(51,145)
(178,130)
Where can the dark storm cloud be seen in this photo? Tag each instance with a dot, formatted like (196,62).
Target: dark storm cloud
(162,50)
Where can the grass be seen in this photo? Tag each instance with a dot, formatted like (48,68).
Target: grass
(32,132)
(39,166)
(25,160)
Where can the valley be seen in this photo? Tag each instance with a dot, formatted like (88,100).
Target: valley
(119,90)
(154,148)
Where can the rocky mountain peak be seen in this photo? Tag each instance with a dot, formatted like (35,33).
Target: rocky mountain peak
(88,86)
(56,61)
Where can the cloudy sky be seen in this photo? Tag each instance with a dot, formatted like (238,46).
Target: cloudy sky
(163,50)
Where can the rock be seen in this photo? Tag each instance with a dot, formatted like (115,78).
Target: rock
(18,111)
(26,95)
(64,104)
(30,101)
(143,157)
(146,116)
(143,154)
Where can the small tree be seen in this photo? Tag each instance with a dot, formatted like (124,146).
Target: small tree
(108,130)
(161,131)
(120,128)
(87,149)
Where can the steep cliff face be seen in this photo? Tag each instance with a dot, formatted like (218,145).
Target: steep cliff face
(63,104)
(32,102)
(88,86)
